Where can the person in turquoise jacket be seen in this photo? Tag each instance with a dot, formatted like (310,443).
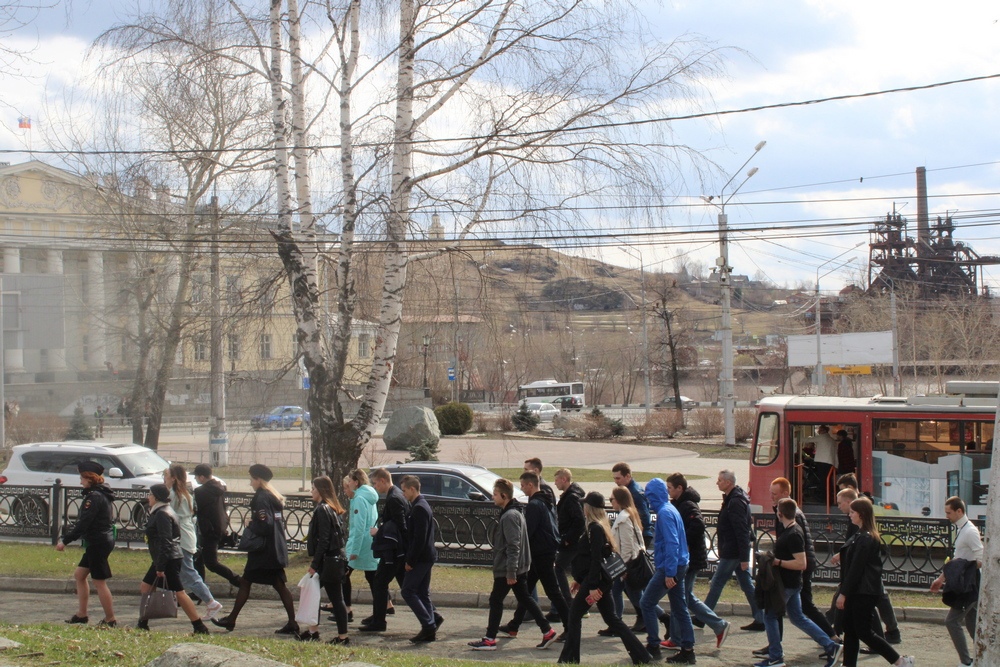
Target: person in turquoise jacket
(362,516)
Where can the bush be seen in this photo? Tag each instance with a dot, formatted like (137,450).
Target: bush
(505,421)
(425,451)
(663,423)
(706,422)
(30,427)
(745,421)
(483,423)
(523,419)
(453,418)
(78,428)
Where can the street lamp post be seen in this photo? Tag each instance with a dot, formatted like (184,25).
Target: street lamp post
(426,344)
(820,379)
(726,382)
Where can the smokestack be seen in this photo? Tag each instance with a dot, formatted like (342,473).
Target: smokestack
(923,226)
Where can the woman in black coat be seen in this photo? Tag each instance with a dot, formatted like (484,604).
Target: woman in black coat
(325,544)
(265,565)
(861,587)
(163,538)
(591,586)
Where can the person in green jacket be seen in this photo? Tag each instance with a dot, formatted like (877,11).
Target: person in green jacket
(362,516)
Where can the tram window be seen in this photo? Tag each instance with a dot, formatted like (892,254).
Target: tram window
(767,439)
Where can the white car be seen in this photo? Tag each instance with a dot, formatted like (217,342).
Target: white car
(126,466)
(545,412)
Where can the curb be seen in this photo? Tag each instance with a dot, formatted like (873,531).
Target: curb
(126,587)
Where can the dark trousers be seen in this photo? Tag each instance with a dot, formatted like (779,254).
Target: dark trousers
(416,591)
(208,557)
(888,614)
(564,563)
(346,585)
(542,572)
(574,627)
(859,612)
(333,584)
(524,601)
(809,608)
(384,575)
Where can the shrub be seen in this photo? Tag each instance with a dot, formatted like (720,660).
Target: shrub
(78,427)
(505,421)
(453,418)
(706,421)
(425,451)
(483,422)
(745,420)
(30,427)
(664,423)
(523,419)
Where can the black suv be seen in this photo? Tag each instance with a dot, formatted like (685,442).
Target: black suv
(452,481)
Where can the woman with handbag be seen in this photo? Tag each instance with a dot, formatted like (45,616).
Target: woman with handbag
(181,502)
(627,531)
(591,585)
(95,526)
(263,539)
(861,587)
(363,516)
(163,538)
(325,544)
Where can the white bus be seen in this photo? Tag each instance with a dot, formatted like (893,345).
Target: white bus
(567,395)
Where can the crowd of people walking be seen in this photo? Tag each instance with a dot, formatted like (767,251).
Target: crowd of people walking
(565,543)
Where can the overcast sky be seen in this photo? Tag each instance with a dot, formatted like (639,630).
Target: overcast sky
(846,160)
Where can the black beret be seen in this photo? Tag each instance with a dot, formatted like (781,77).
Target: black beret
(261,471)
(594,499)
(160,492)
(90,466)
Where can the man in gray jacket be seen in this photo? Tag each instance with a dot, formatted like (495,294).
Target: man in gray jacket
(511,562)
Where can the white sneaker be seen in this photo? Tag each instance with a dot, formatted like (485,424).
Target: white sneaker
(907,661)
(212,610)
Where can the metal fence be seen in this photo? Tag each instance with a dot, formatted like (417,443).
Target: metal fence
(915,548)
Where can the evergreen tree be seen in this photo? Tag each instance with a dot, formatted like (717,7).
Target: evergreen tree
(78,428)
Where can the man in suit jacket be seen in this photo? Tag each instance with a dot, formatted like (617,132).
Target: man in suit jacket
(419,560)
(388,544)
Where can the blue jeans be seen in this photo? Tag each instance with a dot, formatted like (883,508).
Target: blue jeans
(192,580)
(634,596)
(728,566)
(793,608)
(697,609)
(678,608)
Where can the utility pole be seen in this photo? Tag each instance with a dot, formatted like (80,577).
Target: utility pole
(218,439)
(897,389)
(645,336)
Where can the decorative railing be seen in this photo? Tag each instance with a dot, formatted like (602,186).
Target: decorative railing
(915,548)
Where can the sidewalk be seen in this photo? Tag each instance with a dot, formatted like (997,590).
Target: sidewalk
(36,601)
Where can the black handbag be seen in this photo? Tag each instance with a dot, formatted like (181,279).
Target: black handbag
(640,569)
(251,542)
(613,565)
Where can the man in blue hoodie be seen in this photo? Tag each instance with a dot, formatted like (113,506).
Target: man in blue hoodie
(670,556)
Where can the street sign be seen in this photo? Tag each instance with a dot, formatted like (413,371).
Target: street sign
(848,370)
(451,373)
(305,381)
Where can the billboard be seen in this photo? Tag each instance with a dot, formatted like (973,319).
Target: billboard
(872,347)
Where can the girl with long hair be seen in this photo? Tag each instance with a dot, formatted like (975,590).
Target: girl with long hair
(325,543)
(181,502)
(861,587)
(627,531)
(591,585)
(265,565)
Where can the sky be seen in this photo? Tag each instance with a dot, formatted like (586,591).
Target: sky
(848,160)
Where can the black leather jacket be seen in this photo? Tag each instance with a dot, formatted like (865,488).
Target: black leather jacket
(96,521)
(326,536)
(210,509)
(569,513)
(861,566)
(694,528)
(391,539)
(163,536)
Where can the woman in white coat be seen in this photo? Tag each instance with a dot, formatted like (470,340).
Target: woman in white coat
(181,502)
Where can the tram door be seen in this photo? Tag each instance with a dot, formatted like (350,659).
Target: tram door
(818,453)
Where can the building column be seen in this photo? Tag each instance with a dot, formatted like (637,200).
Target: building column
(56,356)
(14,353)
(97,334)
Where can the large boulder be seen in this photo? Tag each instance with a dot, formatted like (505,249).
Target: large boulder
(207,655)
(411,427)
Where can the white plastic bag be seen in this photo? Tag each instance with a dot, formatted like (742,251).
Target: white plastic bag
(309,593)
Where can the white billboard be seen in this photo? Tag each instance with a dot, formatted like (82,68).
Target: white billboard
(872,347)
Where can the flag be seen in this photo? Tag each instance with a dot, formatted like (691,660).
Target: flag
(24,123)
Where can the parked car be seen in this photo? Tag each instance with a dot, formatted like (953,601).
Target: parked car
(126,466)
(452,481)
(283,417)
(567,403)
(545,412)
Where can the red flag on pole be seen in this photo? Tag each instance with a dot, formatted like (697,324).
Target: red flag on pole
(24,123)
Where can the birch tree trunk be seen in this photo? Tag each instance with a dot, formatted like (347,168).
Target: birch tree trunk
(987,649)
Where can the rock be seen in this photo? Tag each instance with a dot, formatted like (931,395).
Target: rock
(410,427)
(7,644)
(356,664)
(206,655)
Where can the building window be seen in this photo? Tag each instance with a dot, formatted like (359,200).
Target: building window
(232,291)
(265,346)
(201,352)
(234,347)
(199,288)
(84,345)
(364,346)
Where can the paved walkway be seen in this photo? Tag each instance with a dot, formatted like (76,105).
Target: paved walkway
(928,641)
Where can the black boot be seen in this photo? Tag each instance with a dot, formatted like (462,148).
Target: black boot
(142,624)
(199,627)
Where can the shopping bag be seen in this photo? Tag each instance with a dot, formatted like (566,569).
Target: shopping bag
(158,603)
(309,593)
